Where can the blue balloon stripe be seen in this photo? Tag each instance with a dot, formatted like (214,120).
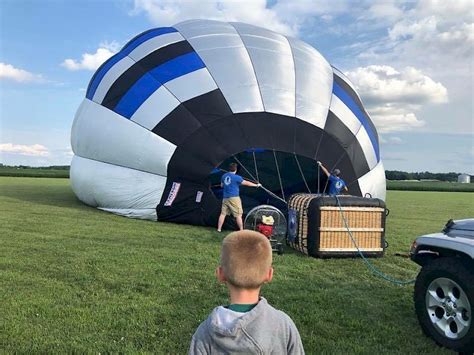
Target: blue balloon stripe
(134,43)
(138,93)
(126,50)
(177,67)
(100,73)
(351,104)
(151,81)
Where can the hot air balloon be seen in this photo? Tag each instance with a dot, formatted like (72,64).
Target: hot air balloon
(163,117)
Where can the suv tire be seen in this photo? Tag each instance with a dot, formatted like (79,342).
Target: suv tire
(444,303)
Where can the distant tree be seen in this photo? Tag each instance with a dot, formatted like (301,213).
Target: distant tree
(425,175)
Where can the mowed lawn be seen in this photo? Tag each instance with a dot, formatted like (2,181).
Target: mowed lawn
(74,279)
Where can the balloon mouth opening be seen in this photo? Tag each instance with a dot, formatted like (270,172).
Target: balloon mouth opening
(281,173)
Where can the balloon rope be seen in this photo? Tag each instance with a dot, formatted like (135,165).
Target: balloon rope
(372,268)
(275,196)
(326,185)
(279,177)
(255,180)
(301,172)
(255,164)
(243,166)
(319,178)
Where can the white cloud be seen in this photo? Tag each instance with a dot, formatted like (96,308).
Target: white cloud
(43,148)
(8,71)
(435,35)
(455,11)
(170,12)
(283,16)
(390,140)
(35,154)
(62,152)
(385,10)
(388,119)
(392,97)
(429,35)
(92,61)
(383,83)
(34,150)
(305,14)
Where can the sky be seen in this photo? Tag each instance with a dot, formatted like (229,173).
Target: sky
(411,62)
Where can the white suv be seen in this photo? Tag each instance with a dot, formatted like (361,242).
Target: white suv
(444,289)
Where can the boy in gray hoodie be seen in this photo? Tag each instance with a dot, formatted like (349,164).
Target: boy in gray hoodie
(249,325)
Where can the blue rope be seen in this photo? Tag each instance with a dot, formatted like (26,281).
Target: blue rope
(372,268)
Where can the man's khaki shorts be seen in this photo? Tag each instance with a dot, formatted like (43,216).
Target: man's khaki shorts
(232,206)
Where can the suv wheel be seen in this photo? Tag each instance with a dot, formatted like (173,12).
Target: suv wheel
(444,303)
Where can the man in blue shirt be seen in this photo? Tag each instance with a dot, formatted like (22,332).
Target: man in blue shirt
(231,203)
(336,184)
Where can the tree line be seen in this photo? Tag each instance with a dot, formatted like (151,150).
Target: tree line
(390,174)
(426,175)
(51,167)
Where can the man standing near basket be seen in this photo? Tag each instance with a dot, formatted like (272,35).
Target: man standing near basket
(231,203)
(336,184)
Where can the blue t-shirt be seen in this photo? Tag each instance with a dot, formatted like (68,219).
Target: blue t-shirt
(336,184)
(231,183)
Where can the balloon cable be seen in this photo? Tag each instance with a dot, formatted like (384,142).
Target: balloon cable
(326,184)
(255,164)
(243,166)
(319,177)
(371,267)
(256,181)
(301,172)
(279,177)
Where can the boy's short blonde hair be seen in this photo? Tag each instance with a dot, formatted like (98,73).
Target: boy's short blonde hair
(246,258)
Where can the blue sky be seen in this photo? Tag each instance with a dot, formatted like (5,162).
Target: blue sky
(412,62)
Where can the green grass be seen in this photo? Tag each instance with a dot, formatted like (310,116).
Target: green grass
(75,279)
(442,186)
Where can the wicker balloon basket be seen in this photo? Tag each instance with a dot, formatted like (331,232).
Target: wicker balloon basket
(316,226)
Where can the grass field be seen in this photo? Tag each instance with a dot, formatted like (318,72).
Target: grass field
(75,279)
(441,186)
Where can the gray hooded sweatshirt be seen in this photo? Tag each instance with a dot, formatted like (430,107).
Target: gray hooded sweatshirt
(263,330)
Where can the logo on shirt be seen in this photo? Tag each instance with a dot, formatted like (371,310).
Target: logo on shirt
(227,180)
(339,185)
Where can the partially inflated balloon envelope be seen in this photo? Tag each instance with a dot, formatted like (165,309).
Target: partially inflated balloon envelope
(164,117)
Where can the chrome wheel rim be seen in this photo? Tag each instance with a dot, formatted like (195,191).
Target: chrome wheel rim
(448,308)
